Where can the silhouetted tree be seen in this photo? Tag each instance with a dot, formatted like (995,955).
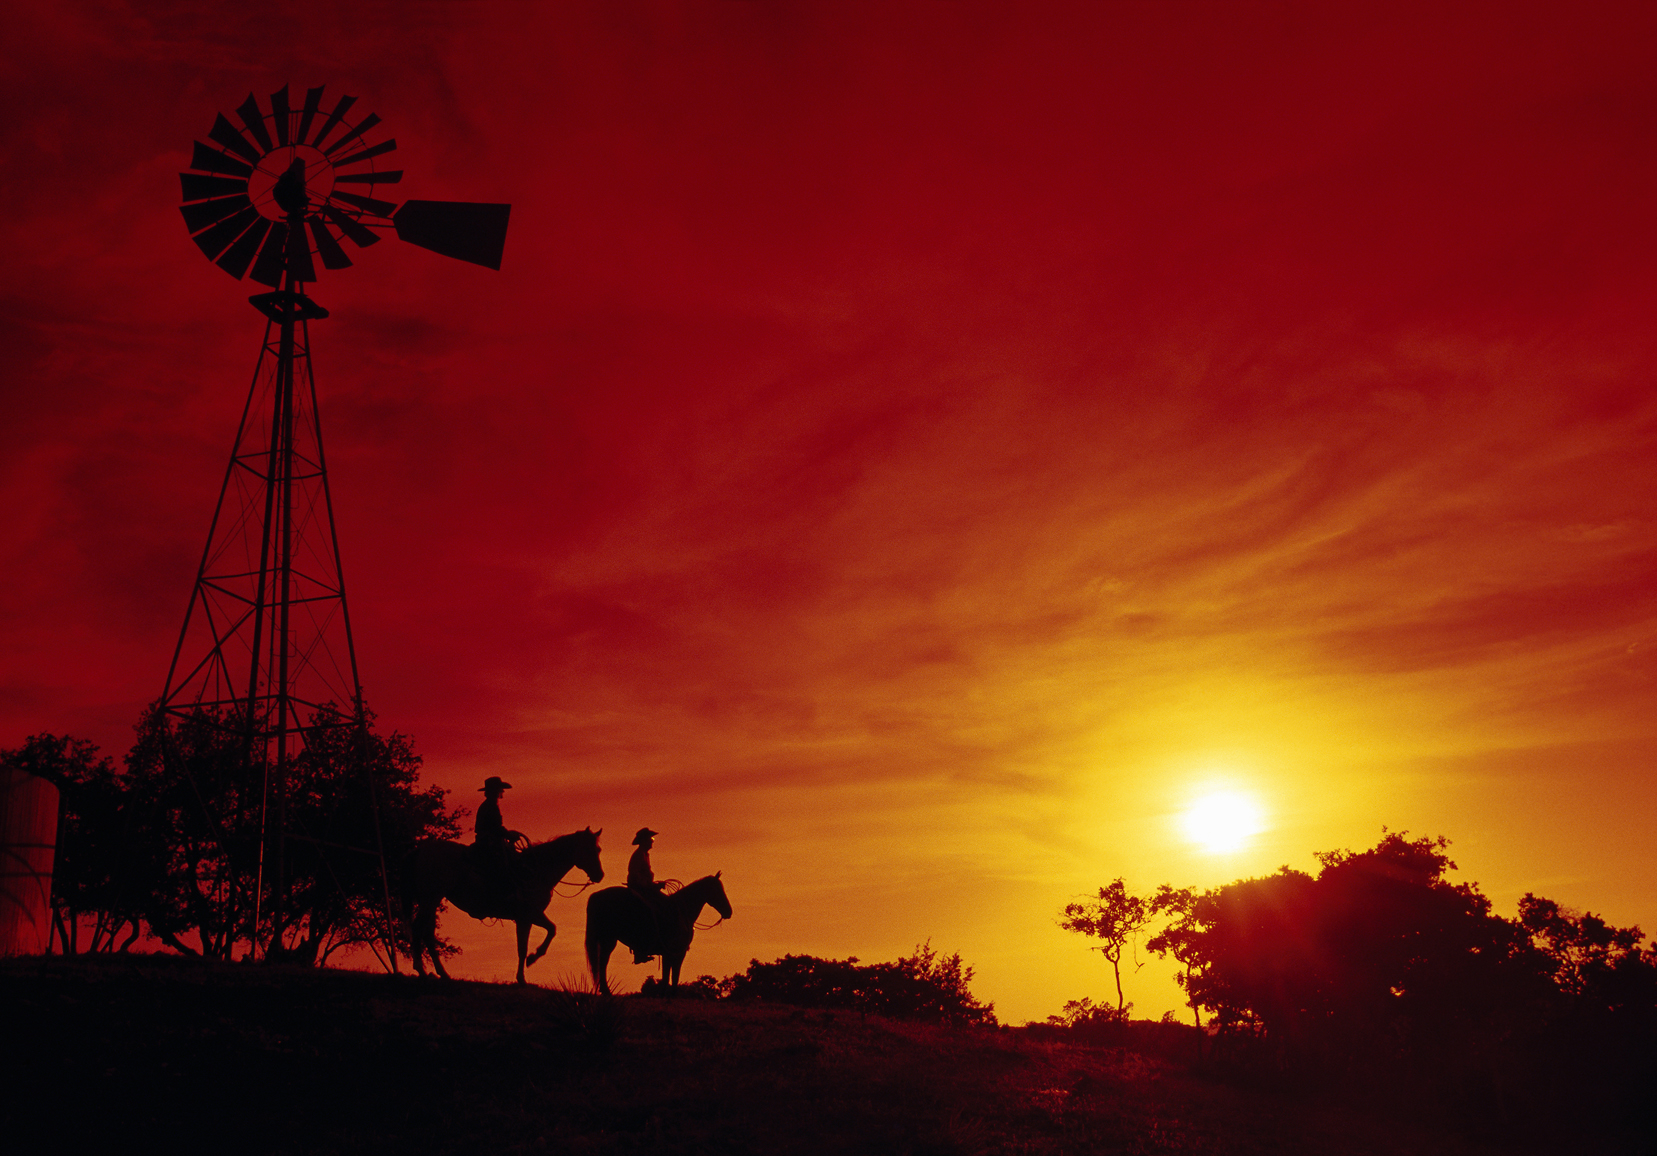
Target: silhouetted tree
(1377,957)
(334,881)
(195,798)
(1583,951)
(1382,975)
(1378,964)
(1115,918)
(193,832)
(1594,1039)
(1184,910)
(91,890)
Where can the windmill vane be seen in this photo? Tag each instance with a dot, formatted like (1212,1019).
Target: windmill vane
(269,198)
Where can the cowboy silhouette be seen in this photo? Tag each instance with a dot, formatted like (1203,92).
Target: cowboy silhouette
(493,841)
(641,880)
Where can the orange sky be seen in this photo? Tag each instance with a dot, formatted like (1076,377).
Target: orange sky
(910,450)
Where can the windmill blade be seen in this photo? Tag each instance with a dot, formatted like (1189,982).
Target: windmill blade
(368,122)
(273,258)
(224,133)
(210,160)
(203,213)
(333,257)
(386,177)
(340,109)
(199,188)
(248,110)
(279,114)
(377,150)
(239,256)
(464,230)
(215,240)
(313,101)
(361,235)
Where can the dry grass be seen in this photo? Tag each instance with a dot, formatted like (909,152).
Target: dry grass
(271,1060)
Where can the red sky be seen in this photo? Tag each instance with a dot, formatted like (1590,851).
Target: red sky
(912,450)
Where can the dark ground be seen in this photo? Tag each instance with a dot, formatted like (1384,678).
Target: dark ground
(155,1052)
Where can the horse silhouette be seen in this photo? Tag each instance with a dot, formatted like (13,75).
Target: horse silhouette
(617,914)
(442,869)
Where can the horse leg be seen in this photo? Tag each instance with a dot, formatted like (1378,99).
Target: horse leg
(598,962)
(523,946)
(416,951)
(541,920)
(425,933)
(410,907)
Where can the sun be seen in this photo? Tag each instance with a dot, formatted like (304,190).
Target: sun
(1222,821)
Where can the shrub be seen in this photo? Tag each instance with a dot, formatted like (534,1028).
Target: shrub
(925,986)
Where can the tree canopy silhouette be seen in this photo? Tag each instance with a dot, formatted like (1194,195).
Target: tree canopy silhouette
(1114,919)
(93,885)
(1381,973)
(170,844)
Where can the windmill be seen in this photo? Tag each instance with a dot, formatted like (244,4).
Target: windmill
(266,649)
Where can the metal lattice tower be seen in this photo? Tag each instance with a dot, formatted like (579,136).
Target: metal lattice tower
(266,646)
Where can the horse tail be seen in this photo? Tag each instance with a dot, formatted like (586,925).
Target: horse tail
(593,944)
(589,938)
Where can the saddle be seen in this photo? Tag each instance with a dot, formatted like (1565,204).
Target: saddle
(655,902)
(496,869)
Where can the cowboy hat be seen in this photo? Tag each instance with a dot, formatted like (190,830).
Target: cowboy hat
(495,781)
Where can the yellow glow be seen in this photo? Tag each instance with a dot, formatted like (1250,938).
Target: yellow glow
(1223,821)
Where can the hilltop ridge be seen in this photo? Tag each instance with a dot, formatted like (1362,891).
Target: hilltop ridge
(271,1059)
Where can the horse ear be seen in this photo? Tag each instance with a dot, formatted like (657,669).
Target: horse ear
(717,874)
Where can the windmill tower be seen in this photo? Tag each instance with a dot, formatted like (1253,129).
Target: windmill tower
(266,654)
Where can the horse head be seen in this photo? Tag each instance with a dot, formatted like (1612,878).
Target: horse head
(715,895)
(586,853)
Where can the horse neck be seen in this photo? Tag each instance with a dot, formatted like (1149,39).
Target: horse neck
(694,895)
(555,855)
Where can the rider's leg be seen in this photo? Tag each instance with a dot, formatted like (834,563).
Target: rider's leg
(641,954)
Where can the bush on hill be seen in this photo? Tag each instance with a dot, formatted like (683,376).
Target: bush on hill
(925,986)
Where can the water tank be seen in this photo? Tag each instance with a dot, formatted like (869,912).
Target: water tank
(28,838)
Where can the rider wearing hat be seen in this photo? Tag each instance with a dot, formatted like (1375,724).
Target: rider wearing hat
(641,880)
(490,835)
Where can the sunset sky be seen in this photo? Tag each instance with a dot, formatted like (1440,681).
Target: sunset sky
(913,453)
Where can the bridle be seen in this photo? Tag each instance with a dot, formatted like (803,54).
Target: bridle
(579,887)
